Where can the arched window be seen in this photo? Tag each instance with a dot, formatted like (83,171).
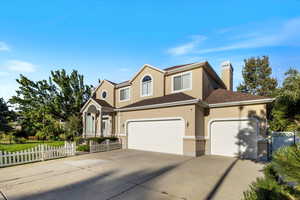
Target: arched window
(146,86)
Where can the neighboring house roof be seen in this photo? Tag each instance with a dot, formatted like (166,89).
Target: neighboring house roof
(160,100)
(224,96)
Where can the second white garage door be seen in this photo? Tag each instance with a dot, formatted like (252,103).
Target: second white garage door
(164,136)
(234,138)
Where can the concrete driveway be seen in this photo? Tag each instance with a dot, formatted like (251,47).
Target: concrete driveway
(129,174)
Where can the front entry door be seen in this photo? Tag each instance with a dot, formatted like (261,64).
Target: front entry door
(105,127)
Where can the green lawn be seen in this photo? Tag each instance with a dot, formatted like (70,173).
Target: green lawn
(19,147)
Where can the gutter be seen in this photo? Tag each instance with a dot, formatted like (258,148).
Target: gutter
(238,103)
(161,105)
(199,102)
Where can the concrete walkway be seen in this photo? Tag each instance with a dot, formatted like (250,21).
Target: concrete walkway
(128,174)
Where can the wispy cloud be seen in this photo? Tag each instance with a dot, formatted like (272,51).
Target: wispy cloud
(187,47)
(4,46)
(285,33)
(20,66)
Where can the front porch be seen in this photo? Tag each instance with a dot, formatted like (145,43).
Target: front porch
(97,120)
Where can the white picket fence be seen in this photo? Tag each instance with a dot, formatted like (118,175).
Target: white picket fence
(107,146)
(39,153)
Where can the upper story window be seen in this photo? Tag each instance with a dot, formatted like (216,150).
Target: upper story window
(146,86)
(182,82)
(104,94)
(125,94)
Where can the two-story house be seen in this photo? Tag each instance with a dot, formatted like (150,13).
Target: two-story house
(185,109)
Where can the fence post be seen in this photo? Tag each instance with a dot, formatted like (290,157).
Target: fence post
(42,149)
(73,148)
(0,158)
(107,144)
(90,144)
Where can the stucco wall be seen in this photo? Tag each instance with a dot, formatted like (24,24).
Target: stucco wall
(197,84)
(110,92)
(257,111)
(249,111)
(188,113)
(135,91)
(123,103)
(208,84)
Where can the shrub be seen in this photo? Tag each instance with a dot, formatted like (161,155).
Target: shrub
(99,140)
(286,162)
(281,177)
(83,147)
(79,140)
(62,136)
(266,189)
(41,135)
(19,140)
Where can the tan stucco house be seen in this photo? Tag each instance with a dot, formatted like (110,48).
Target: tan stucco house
(185,109)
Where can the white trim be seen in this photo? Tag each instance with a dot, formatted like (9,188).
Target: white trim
(151,119)
(144,66)
(176,103)
(124,88)
(104,90)
(94,103)
(141,86)
(230,119)
(237,103)
(100,85)
(181,74)
(180,119)
(198,137)
(187,67)
(208,137)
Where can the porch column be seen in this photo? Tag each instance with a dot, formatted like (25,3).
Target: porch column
(84,124)
(100,123)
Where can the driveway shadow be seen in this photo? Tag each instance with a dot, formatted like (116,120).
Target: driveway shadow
(216,187)
(103,186)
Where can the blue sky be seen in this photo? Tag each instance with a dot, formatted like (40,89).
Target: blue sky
(113,39)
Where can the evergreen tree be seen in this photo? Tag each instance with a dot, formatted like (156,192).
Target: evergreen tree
(257,77)
(6,116)
(285,115)
(44,103)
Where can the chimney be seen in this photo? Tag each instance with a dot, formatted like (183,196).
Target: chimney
(227,75)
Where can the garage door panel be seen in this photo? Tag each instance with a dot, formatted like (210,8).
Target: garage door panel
(156,135)
(234,138)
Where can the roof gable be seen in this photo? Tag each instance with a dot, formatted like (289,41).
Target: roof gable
(107,81)
(143,68)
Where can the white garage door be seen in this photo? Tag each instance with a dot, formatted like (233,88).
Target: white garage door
(234,138)
(156,135)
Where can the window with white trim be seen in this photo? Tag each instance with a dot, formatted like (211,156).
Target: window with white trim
(124,94)
(182,82)
(146,86)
